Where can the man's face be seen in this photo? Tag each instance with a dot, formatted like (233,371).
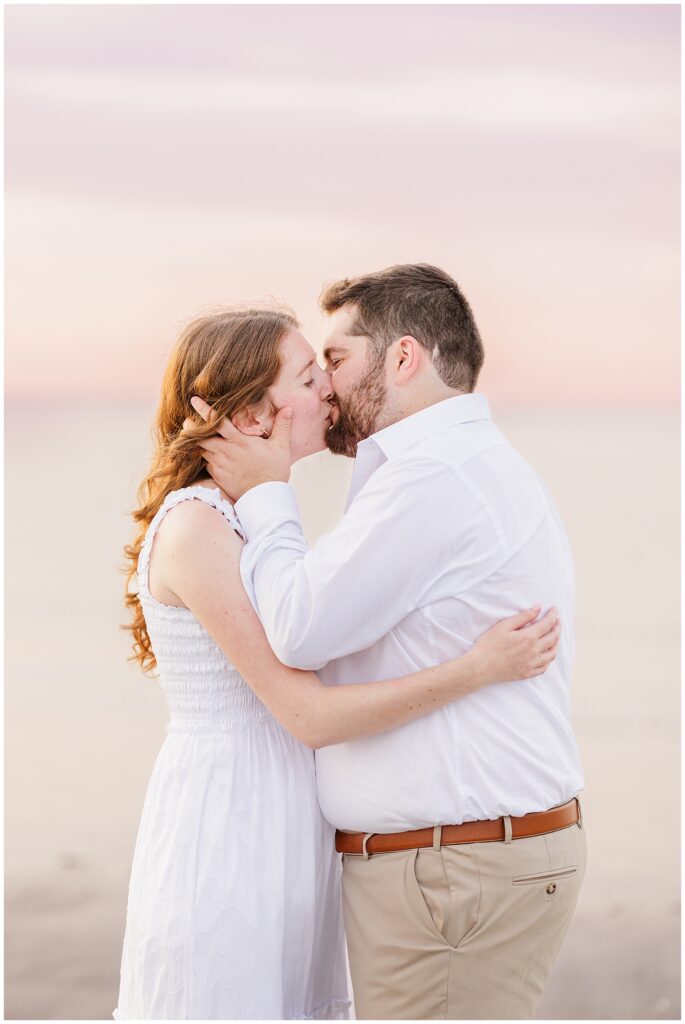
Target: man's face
(358,379)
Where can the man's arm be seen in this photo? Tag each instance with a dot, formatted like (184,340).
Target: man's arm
(388,556)
(385,559)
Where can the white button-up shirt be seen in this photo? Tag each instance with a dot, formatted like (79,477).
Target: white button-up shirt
(447,530)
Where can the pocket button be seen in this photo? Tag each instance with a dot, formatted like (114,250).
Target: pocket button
(551,888)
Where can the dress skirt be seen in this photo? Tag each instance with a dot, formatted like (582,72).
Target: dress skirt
(234,902)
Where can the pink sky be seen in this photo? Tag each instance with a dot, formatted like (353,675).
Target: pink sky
(162,160)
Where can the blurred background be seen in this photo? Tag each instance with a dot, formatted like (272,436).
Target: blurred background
(163,160)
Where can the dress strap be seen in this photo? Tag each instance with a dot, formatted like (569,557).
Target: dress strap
(209,497)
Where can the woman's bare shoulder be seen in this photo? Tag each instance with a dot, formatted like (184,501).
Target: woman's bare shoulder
(193,539)
(193,523)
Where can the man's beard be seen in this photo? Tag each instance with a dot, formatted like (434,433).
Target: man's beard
(358,411)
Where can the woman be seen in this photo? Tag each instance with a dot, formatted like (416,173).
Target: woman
(234,907)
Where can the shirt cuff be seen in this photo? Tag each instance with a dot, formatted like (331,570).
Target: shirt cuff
(264,503)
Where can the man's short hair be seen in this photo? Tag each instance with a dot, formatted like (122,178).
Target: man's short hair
(419,300)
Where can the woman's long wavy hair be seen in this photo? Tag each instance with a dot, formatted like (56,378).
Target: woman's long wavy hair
(230,359)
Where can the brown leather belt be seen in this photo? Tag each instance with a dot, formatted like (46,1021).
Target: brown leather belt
(537,823)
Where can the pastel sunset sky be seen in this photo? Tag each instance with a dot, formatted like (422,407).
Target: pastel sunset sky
(164,160)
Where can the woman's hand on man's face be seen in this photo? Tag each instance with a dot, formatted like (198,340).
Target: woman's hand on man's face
(238,462)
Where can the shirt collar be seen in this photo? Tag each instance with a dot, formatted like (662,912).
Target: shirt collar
(401,436)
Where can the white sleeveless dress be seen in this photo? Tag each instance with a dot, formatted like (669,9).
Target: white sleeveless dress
(234,907)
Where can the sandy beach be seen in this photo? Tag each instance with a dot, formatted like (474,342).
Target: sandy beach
(83,727)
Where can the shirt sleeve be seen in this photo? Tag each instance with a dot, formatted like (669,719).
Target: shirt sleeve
(359,581)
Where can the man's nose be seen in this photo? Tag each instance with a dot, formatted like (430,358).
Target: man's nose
(326,385)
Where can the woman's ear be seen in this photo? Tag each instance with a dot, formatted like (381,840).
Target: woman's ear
(247,422)
(255,419)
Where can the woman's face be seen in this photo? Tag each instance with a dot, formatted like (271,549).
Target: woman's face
(306,389)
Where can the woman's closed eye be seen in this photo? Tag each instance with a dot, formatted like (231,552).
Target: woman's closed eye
(309,383)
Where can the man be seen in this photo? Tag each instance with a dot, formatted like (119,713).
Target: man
(463,845)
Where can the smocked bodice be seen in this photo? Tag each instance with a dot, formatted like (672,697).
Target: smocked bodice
(204,691)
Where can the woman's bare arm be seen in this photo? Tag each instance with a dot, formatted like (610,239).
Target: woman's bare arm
(197,559)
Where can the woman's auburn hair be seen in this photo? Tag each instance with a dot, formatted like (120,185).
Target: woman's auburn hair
(229,359)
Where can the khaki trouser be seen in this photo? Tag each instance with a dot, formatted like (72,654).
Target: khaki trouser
(460,932)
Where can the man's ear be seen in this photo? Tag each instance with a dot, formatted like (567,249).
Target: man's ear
(406,358)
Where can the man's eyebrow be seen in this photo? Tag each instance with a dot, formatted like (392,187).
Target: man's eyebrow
(327,352)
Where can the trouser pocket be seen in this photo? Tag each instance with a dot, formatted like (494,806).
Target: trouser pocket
(545,876)
(448,886)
